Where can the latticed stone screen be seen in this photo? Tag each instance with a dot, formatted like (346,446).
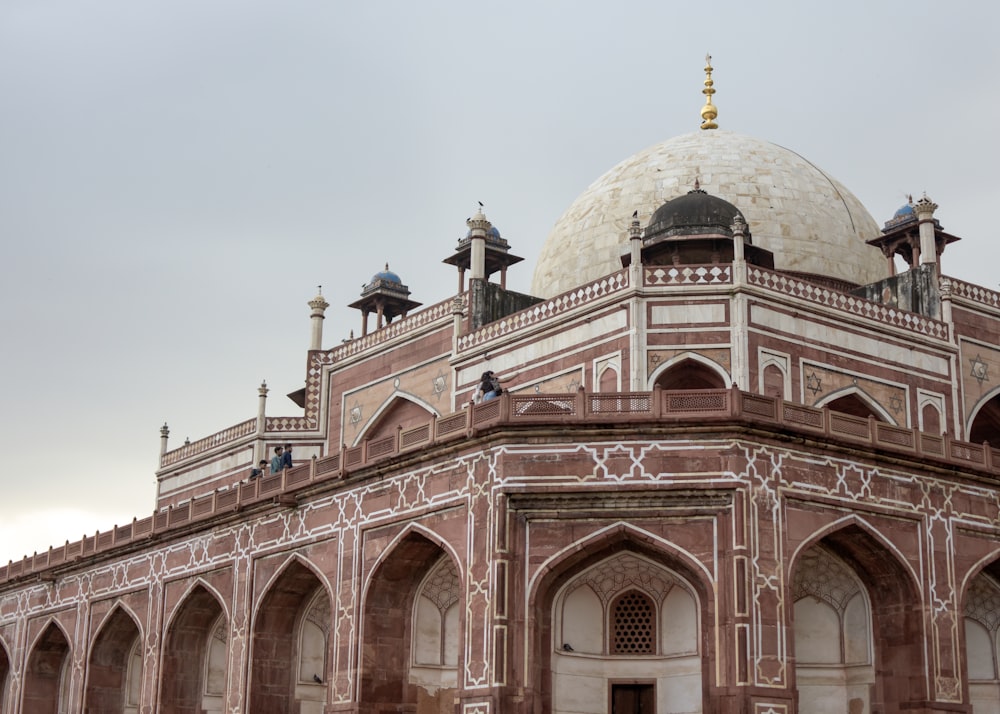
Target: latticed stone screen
(633,624)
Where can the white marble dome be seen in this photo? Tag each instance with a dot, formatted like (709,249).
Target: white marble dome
(808,219)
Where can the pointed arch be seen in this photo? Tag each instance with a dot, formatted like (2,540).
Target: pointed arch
(110,663)
(186,649)
(690,370)
(614,534)
(301,560)
(46,678)
(979,609)
(411,530)
(399,410)
(984,420)
(609,378)
(436,625)
(855,401)
(291,635)
(556,664)
(4,672)
(387,679)
(896,603)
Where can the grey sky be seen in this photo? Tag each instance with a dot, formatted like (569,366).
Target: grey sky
(177,177)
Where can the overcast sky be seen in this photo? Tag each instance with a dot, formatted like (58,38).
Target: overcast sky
(177,177)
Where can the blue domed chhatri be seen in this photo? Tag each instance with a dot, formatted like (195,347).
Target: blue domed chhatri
(904,214)
(386,296)
(387,275)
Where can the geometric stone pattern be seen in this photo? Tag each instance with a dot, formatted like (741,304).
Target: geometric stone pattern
(982,603)
(822,576)
(688,275)
(610,577)
(442,586)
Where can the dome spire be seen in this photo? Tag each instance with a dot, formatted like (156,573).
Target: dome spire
(708,112)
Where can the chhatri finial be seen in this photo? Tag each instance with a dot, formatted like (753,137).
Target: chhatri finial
(708,112)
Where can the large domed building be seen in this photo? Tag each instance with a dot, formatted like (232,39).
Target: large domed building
(737,464)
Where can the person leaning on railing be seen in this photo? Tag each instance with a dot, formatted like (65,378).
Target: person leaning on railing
(490,386)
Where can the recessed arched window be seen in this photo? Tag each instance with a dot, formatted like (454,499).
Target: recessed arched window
(633,622)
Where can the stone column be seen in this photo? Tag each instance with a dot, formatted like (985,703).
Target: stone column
(478,226)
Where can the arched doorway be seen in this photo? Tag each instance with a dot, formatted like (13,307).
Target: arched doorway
(618,625)
(4,672)
(853,556)
(833,645)
(690,373)
(625,636)
(47,677)
(986,423)
(391,645)
(193,674)
(398,413)
(114,671)
(291,635)
(853,405)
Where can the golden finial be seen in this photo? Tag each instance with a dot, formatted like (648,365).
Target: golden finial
(708,112)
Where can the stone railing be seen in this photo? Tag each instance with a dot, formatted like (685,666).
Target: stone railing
(848,303)
(231,435)
(975,293)
(719,407)
(401,327)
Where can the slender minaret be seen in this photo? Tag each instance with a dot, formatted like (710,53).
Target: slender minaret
(164,435)
(708,112)
(260,446)
(319,306)
(635,239)
(925,215)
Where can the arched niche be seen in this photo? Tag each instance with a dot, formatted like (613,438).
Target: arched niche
(985,422)
(47,675)
(887,597)
(399,412)
(856,403)
(691,371)
(189,661)
(981,628)
(832,634)
(620,621)
(291,632)
(393,617)
(113,680)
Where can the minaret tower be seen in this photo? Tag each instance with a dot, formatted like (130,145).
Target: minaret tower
(319,306)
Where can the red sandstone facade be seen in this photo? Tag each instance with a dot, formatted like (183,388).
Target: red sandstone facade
(710,488)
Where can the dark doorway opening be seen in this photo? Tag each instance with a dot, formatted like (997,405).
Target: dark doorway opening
(633,698)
